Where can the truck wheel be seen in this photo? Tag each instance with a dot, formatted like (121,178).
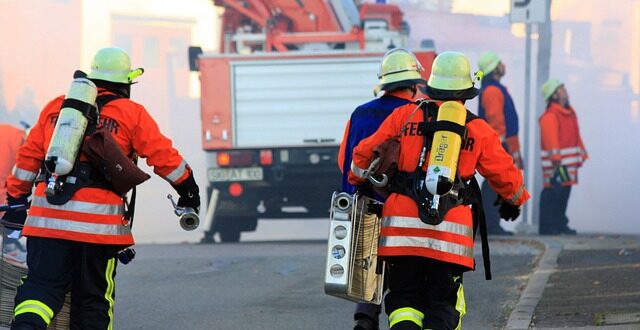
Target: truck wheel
(230,234)
(208,238)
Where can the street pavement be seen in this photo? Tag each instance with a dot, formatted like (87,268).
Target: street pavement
(592,283)
(540,282)
(279,285)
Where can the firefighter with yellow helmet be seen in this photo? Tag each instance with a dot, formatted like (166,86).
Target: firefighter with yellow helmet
(78,221)
(563,153)
(427,252)
(496,106)
(399,75)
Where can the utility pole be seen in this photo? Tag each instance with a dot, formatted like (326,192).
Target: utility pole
(533,12)
(544,64)
(527,220)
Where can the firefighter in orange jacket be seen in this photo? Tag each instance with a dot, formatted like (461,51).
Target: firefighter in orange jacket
(426,261)
(496,106)
(11,138)
(399,75)
(73,246)
(562,154)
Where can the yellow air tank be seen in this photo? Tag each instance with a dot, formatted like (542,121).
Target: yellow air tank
(445,151)
(69,131)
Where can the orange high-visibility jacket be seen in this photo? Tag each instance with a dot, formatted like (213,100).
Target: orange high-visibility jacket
(92,215)
(10,140)
(561,143)
(493,102)
(403,233)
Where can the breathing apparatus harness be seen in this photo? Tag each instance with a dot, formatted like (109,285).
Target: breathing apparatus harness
(465,191)
(83,174)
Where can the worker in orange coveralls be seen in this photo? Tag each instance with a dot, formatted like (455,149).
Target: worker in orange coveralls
(426,261)
(562,154)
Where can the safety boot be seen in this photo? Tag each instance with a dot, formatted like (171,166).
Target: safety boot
(365,323)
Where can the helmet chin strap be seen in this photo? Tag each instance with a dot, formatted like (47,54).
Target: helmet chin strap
(120,89)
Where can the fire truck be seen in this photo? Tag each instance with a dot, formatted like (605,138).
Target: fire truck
(275,100)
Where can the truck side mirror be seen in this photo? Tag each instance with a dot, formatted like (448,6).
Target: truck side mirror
(194,52)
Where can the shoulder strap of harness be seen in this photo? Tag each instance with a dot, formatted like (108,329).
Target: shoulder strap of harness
(429,128)
(479,220)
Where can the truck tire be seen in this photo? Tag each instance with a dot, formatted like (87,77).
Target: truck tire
(230,234)
(208,238)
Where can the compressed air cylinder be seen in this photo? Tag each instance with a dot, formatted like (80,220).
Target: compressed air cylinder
(70,128)
(445,150)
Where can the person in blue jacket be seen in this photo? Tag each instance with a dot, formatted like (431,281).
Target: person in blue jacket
(399,76)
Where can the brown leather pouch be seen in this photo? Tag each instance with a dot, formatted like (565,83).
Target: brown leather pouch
(105,155)
(388,153)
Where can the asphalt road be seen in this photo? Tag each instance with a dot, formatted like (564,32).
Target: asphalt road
(279,285)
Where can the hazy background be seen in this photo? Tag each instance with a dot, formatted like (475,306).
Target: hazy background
(595,51)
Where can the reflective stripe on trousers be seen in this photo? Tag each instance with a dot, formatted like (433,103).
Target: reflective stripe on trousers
(108,294)
(461,303)
(417,317)
(406,314)
(35,307)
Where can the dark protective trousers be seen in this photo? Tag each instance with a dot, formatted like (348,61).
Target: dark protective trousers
(424,294)
(491,212)
(58,266)
(553,209)
(371,311)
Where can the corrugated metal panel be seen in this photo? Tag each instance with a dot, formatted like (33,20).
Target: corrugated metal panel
(288,102)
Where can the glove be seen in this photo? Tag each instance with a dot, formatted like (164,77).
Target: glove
(189,193)
(507,211)
(561,174)
(14,218)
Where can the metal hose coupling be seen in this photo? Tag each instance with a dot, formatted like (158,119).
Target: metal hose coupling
(189,219)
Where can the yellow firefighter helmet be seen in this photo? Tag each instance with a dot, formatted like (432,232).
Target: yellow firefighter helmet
(488,62)
(549,88)
(113,64)
(451,78)
(399,65)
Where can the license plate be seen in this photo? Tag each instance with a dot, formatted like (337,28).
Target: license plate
(235,174)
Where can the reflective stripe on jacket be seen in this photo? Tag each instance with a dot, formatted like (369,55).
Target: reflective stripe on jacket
(92,215)
(561,143)
(403,233)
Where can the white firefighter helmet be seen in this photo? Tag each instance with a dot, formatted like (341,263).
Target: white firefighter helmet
(451,78)
(550,87)
(113,64)
(488,62)
(399,65)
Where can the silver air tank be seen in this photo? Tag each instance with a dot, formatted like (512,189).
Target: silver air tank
(69,131)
